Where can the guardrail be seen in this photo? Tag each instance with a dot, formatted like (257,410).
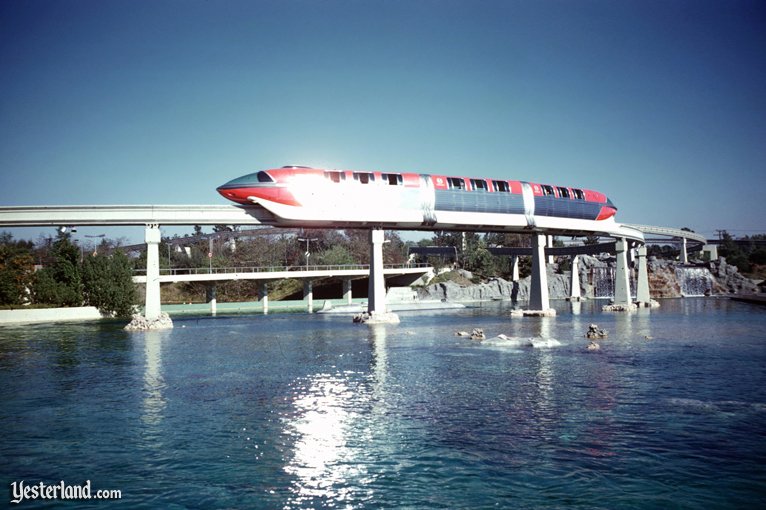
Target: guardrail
(273,269)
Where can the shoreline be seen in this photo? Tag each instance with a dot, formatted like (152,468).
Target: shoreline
(20,317)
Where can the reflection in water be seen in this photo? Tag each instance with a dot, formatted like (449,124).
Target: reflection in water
(623,325)
(544,375)
(154,402)
(545,325)
(321,460)
(578,321)
(66,350)
(457,425)
(380,353)
(644,324)
(330,429)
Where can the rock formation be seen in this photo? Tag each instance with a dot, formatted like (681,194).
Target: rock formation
(595,332)
(730,280)
(495,289)
(141,323)
(666,279)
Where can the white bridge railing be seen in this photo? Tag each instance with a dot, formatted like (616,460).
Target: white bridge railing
(175,271)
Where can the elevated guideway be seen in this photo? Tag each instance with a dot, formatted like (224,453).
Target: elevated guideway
(669,232)
(172,215)
(626,237)
(684,236)
(105,215)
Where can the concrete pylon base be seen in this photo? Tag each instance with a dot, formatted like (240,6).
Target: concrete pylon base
(377,318)
(550,312)
(651,304)
(576,299)
(141,323)
(630,307)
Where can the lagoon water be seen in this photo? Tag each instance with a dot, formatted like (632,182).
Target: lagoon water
(311,411)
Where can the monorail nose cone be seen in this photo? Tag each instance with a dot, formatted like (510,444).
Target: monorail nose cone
(229,191)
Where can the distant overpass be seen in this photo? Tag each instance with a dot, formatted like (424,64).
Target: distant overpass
(739,242)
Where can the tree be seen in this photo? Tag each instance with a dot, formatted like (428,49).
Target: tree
(358,244)
(479,260)
(733,253)
(395,251)
(45,289)
(60,282)
(443,238)
(506,239)
(336,256)
(16,270)
(758,256)
(108,283)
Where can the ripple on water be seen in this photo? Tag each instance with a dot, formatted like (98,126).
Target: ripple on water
(298,411)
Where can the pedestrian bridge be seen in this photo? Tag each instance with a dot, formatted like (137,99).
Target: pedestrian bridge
(345,271)
(405,273)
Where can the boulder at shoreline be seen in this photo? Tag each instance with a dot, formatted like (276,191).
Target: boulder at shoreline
(141,323)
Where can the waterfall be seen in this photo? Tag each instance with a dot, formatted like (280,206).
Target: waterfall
(694,281)
(602,280)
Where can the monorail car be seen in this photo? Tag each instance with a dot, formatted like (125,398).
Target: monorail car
(301,195)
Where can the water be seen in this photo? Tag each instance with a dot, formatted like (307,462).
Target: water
(299,411)
(694,281)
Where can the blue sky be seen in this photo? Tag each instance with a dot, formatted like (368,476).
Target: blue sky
(659,104)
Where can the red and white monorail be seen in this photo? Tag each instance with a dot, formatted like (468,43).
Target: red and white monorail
(302,195)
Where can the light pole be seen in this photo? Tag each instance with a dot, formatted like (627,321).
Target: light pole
(95,248)
(210,255)
(308,254)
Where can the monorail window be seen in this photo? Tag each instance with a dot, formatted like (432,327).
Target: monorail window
(364,177)
(264,177)
(479,184)
(335,176)
(547,190)
(501,186)
(563,192)
(578,194)
(455,183)
(392,179)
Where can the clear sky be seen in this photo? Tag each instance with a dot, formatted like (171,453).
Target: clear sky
(659,104)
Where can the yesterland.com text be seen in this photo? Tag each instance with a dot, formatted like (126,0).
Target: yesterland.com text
(21,491)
